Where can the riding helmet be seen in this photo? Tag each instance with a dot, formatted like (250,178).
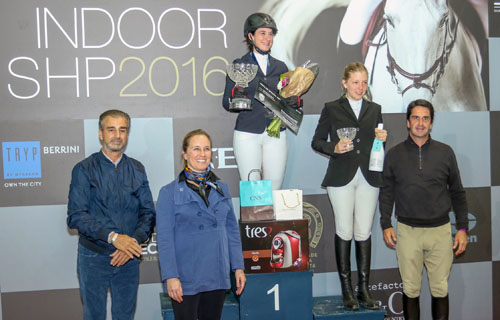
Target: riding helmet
(259,20)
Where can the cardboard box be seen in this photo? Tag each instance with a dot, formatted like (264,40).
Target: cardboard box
(275,246)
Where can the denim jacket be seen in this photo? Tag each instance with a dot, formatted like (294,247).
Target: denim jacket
(104,198)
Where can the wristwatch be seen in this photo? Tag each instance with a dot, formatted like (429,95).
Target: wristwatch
(112,239)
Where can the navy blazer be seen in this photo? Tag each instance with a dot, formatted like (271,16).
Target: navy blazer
(342,167)
(255,121)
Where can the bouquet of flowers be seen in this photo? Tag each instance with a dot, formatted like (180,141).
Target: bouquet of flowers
(294,84)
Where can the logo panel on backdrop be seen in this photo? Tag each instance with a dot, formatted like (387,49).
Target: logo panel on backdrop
(37,161)
(318,212)
(479,232)
(21,160)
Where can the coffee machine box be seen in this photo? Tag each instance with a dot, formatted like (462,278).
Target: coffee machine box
(275,246)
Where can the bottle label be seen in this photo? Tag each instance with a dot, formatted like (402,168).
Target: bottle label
(377,145)
(377,156)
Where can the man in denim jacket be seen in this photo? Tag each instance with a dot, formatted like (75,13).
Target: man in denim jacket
(111,206)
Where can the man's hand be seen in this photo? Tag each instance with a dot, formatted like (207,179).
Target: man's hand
(390,237)
(460,243)
(119,258)
(174,289)
(128,245)
(239,275)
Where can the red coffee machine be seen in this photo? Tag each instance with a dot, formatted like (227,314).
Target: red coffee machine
(286,250)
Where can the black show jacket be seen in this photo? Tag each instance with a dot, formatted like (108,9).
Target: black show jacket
(342,167)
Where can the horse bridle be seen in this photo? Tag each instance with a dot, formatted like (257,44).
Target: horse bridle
(438,66)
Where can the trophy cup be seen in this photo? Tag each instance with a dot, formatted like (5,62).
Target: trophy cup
(241,74)
(347,133)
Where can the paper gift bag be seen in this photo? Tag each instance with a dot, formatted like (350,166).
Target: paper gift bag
(288,204)
(256,200)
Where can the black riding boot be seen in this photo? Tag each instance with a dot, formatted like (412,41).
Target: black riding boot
(363,257)
(440,308)
(411,308)
(343,257)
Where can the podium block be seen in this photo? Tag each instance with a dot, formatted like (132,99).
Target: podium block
(331,308)
(281,295)
(230,310)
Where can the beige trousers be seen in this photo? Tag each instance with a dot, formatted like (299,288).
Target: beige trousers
(429,247)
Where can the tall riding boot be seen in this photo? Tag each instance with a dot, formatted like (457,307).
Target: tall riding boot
(363,257)
(343,257)
(411,307)
(440,308)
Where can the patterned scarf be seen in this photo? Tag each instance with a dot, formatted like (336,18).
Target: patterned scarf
(203,179)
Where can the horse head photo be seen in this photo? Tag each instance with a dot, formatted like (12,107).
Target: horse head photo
(413,49)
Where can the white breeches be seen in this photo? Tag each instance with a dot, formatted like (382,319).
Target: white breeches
(260,151)
(354,207)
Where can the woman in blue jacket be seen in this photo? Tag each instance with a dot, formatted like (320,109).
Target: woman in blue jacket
(198,236)
(253,147)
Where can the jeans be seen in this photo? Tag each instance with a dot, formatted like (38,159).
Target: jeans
(97,275)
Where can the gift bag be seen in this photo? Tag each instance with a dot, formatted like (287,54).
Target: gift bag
(256,199)
(288,204)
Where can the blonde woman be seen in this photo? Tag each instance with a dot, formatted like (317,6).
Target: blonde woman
(352,188)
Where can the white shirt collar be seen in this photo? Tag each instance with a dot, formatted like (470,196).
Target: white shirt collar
(262,60)
(356,106)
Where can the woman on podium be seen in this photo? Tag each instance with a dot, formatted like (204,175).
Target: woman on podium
(352,188)
(253,147)
(198,236)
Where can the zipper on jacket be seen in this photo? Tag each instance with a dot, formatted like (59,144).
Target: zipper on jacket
(419,158)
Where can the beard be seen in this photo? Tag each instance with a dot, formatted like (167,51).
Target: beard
(112,146)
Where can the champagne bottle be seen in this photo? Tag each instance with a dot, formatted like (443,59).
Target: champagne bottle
(377,154)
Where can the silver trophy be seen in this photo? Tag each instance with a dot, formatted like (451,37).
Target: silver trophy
(347,133)
(241,74)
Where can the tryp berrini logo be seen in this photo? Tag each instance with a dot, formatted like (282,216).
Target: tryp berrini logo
(21,160)
(37,161)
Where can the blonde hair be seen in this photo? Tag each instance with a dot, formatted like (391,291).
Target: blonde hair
(353,67)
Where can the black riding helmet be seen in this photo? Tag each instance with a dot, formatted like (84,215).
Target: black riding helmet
(259,20)
(255,21)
